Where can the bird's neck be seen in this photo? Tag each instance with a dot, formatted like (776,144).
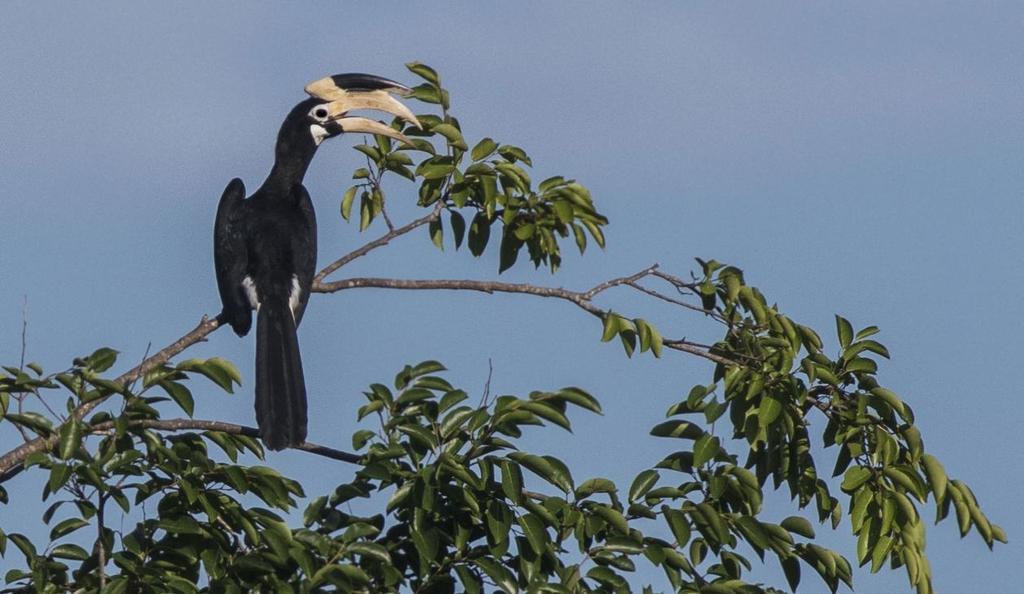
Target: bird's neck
(291,159)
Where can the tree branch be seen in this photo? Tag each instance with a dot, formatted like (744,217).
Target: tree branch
(582,299)
(204,425)
(14,457)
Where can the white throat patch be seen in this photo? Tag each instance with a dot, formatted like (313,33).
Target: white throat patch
(319,133)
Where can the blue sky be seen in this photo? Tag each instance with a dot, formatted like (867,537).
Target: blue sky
(855,158)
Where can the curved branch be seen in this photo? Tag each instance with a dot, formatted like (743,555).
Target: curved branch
(376,243)
(582,299)
(13,458)
(204,425)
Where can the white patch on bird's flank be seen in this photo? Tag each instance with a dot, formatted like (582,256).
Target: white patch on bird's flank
(319,133)
(250,292)
(294,295)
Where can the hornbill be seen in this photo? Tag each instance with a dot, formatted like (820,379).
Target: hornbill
(265,246)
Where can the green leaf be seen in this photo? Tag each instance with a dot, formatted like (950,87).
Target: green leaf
(612,325)
(59,475)
(70,438)
(892,400)
(180,394)
(547,413)
(451,134)
(458,228)
(483,149)
(542,468)
(769,410)
(613,517)
(845,331)
(450,399)
(425,72)
(430,171)
(436,230)
(595,485)
(854,477)
(798,525)
(471,582)
(66,527)
(754,532)
(361,437)
(524,232)
(365,211)
(936,476)
(69,551)
(400,494)
(32,420)
(643,483)
(220,371)
(536,534)
(578,397)
(562,475)
(514,153)
(101,359)
(791,567)
(508,251)
(511,481)
(346,202)
(24,545)
(371,550)
(679,429)
(678,524)
(581,238)
(705,449)
(479,233)
(501,577)
(625,545)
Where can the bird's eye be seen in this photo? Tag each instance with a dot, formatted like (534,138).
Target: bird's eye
(320,113)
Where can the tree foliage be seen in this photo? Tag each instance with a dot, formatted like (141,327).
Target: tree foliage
(439,495)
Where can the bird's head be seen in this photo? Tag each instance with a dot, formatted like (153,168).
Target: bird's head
(326,113)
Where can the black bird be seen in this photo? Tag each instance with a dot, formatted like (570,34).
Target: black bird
(265,246)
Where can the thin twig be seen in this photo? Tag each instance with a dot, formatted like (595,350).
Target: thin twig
(487,385)
(664,297)
(47,406)
(145,355)
(24,330)
(675,280)
(376,243)
(102,553)
(375,177)
(626,280)
(21,410)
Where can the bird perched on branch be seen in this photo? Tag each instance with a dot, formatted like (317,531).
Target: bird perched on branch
(265,246)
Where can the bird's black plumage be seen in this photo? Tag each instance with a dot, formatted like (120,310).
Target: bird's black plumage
(265,245)
(265,257)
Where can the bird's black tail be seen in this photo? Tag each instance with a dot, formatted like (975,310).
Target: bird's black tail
(280,387)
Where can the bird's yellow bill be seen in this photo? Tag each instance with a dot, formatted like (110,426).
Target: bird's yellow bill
(343,101)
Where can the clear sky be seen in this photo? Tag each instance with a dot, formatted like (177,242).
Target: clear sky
(856,158)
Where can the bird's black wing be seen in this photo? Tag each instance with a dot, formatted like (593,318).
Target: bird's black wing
(230,257)
(304,250)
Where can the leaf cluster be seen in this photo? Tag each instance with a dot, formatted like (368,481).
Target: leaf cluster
(477,187)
